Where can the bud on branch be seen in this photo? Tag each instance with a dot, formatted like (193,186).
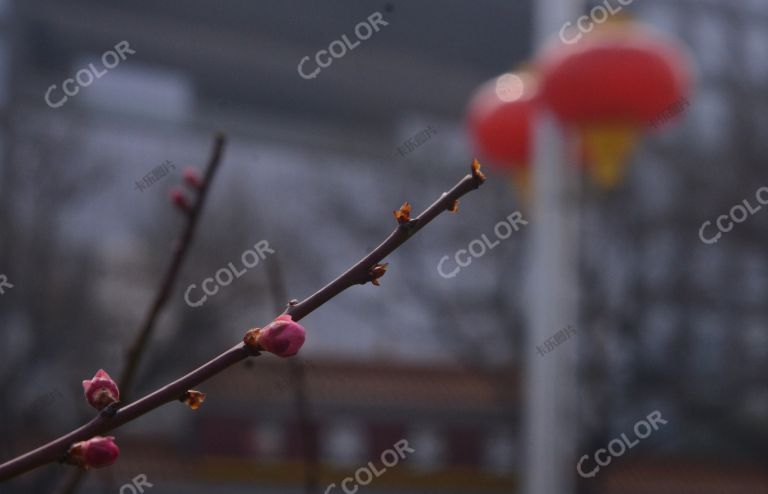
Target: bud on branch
(283,336)
(97,452)
(101,390)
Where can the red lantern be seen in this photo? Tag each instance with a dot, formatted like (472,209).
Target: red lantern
(499,119)
(612,83)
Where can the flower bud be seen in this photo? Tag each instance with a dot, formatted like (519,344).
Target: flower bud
(101,390)
(96,452)
(192,178)
(177,196)
(283,337)
(193,399)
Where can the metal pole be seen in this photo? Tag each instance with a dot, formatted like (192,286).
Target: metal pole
(549,379)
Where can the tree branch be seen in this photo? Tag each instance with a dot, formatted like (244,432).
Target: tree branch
(180,250)
(360,273)
(137,348)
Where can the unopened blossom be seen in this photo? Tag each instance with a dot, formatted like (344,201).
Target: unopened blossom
(101,390)
(97,452)
(192,178)
(179,198)
(283,337)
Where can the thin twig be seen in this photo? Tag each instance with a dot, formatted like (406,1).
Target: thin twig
(362,272)
(71,482)
(136,350)
(299,384)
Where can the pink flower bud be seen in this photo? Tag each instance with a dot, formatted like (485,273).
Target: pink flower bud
(101,390)
(178,198)
(283,337)
(192,178)
(96,452)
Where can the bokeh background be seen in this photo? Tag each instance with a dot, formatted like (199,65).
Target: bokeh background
(665,321)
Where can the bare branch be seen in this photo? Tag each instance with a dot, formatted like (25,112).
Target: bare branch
(358,274)
(181,248)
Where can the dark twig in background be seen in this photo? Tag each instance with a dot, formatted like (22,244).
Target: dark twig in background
(133,356)
(137,348)
(298,384)
(365,270)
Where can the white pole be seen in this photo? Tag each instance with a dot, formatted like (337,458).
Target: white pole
(549,381)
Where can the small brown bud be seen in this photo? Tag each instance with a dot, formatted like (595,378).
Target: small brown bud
(454,206)
(193,399)
(377,272)
(403,215)
(476,171)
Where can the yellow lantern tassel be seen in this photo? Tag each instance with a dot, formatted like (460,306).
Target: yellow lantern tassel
(608,148)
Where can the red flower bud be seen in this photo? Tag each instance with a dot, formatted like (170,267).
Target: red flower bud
(192,178)
(178,198)
(101,390)
(283,337)
(96,452)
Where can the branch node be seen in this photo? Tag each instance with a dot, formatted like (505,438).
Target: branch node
(110,410)
(376,272)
